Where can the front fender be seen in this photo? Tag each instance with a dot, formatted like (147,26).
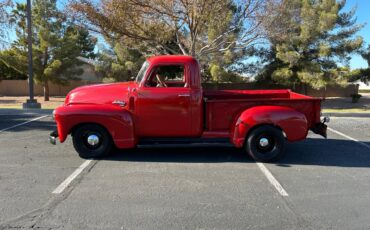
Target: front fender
(293,123)
(116,120)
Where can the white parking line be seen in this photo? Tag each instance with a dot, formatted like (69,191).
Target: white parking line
(350,138)
(23,123)
(69,179)
(272,179)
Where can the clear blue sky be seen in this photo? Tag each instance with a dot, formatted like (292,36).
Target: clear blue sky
(362,14)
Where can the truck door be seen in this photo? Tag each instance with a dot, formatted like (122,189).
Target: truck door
(163,103)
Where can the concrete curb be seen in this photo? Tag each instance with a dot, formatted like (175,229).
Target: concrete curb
(347,115)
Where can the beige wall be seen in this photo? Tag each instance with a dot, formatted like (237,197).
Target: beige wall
(20,88)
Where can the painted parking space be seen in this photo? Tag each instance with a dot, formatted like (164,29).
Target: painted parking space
(355,127)
(165,188)
(30,168)
(325,181)
(328,181)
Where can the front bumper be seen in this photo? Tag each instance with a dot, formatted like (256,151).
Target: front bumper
(53,137)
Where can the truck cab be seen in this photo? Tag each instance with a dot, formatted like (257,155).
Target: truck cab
(166,102)
(168,98)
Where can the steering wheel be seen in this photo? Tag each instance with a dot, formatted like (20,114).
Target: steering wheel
(160,81)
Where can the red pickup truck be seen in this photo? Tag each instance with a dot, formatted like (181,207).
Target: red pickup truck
(166,103)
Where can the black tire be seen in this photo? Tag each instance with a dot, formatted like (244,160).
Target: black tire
(86,150)
(257,148)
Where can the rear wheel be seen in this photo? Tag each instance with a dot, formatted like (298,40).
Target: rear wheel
(92,141)
(265,143)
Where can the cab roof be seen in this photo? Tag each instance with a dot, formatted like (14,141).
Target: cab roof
(171,58)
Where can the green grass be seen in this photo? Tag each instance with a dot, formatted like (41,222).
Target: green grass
(10,107)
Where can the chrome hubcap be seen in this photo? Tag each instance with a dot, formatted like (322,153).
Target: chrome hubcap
(264,142)
(93,140)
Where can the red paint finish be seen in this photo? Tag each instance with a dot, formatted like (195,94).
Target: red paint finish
(172,111)
(166,114)
(133,110)
(117,121)
(224,106)
(293,123)
(100,94)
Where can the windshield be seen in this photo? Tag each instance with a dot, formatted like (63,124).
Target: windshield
(142,72)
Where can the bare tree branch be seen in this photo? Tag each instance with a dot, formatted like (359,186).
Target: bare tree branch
(186,23)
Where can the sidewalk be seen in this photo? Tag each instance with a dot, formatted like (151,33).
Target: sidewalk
(359,115)
(345,103)
(16,102)
(343,107)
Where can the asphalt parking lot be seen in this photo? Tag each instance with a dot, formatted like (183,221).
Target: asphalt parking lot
(326,183)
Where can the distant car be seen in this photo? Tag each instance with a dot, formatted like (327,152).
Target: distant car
(166,103)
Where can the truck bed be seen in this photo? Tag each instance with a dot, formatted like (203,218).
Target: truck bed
(223,106)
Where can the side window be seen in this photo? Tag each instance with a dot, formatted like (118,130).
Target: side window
(167,76)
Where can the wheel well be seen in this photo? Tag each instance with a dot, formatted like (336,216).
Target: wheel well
(74,128)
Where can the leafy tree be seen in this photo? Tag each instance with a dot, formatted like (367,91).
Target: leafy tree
(364,73)
(4,18)
(220,75)
(119,64)
(8,73)
(365,53)
(308,38)
(56,44)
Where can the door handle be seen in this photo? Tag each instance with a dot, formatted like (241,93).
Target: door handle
(120,103)
(184,95)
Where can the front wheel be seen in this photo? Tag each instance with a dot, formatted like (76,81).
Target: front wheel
(91,141)
(265,143)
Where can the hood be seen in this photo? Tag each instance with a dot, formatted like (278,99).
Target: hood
(99,94)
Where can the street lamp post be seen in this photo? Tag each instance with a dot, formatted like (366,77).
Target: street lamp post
(31,103)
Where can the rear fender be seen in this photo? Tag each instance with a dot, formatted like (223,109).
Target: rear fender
(118,121)
(293,123)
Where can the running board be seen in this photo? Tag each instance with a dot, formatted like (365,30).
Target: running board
(176,140)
